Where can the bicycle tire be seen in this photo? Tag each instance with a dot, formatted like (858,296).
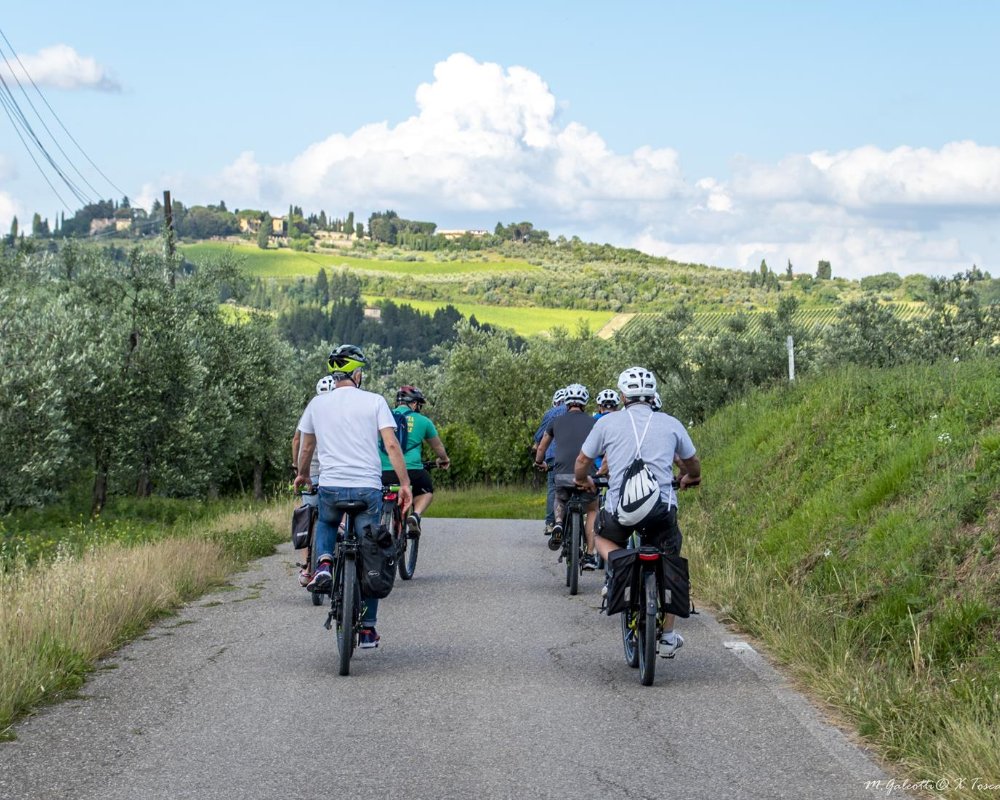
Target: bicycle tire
(348,611)
(573,562)
(629,645)
(410,557)
(646,630)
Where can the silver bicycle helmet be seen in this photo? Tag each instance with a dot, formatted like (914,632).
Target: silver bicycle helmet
(325,384)
(576,395)
(637,383)
(608,397)
(558,397)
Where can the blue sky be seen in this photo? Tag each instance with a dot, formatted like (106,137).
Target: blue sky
(718,132)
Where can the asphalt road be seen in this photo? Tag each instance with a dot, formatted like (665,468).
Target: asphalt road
(491,682)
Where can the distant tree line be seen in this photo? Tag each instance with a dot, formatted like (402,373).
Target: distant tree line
(124,374)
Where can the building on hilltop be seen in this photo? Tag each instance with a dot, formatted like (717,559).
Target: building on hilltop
(458,234)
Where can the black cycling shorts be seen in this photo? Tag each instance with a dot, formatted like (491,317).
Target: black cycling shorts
(420,480)
(663,521)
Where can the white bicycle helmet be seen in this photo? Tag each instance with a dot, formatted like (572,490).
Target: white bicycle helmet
(608,397)
(576,395)
(657,403)
(637,383)
(325,384)
(558,397)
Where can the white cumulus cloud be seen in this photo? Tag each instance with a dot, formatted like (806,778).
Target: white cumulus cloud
(60,67)
(488,143)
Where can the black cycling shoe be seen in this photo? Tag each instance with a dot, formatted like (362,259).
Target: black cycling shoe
(555,540)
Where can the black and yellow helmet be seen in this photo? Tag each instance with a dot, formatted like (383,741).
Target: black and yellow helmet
(346,359)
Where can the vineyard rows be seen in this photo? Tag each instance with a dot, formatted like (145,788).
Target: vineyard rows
(814,320)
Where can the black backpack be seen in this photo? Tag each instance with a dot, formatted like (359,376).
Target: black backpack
(377,557)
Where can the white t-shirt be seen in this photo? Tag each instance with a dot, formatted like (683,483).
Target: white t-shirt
(614,436)
(346,424)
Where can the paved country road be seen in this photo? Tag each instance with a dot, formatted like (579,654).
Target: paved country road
(491,682)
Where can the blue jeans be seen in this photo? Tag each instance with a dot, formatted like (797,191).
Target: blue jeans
(329,519)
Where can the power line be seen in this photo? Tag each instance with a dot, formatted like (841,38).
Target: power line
(19,119)
(31,140)
(3,102)
(57,119)
(40,118)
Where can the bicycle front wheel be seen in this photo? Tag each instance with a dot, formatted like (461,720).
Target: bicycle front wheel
(348,611)
(646,630)
(573,561)
(412,547)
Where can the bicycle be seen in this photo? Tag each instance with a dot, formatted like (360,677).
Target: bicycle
(407,543)
(345,592)
(574,542)
(310,563)
(642,620)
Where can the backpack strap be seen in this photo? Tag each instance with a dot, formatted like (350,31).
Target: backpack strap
(639,440)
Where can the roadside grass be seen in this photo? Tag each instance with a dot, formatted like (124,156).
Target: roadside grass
(490,502)
(290,264)
(66,609)
(850,523)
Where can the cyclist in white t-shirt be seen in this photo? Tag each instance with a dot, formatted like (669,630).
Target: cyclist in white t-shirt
(343,428)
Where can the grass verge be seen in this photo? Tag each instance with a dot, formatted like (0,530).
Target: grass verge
(489,502)
(59,615)
(850,524)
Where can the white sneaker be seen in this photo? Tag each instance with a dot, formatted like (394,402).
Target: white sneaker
(669,646)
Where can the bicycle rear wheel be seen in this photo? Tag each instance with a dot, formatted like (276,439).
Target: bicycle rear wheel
(348,611)
(629,644)
(573,560)
(646,630)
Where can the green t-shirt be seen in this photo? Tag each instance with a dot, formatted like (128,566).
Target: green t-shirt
(419,428)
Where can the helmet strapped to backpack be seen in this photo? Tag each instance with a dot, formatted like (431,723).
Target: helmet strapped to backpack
(410,394)
(637,383)
(576,395)
(346,360)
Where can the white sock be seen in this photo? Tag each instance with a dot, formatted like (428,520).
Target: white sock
(669,637)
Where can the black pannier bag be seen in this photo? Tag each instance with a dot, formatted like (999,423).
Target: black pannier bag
(623,585)
(302,519)
(377,562)
(676,581)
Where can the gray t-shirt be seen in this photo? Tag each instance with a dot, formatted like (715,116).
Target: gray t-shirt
(613,436)
(568,432)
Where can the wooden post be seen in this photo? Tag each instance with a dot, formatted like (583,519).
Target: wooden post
(790,344)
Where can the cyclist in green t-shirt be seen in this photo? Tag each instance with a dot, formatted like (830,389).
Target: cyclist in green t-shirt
(419,429)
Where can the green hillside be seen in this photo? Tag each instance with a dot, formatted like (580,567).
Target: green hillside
(850,522)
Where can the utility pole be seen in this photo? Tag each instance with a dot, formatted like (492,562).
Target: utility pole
(168,234)
(790,344)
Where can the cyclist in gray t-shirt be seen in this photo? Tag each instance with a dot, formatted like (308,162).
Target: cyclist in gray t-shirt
(568,432)
(615,436)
